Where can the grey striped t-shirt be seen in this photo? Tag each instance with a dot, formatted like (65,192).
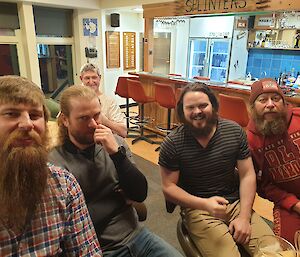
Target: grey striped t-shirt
(209,171)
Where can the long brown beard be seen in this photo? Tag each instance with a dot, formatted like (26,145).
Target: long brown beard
(267,128)
(23,177)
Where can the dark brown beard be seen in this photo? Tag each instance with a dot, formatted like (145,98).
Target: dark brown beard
(268,128)
(23,177)
(203,132)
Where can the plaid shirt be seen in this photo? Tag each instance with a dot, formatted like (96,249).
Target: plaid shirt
(60,225)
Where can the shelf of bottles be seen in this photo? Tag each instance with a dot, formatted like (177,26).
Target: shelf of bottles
(219,61)
(198,61)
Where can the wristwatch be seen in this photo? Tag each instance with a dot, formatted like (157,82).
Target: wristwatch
(119,155)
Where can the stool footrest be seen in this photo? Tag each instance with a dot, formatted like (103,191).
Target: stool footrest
(146,138)
(164,127)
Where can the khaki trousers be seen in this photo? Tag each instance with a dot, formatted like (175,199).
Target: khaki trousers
(212,237)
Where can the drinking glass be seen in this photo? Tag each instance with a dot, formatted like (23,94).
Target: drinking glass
(297,242)
(274,246)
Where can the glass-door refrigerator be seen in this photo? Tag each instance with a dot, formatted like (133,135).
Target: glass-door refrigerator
(209,57)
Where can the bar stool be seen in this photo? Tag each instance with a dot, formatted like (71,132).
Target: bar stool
(165,97)
(122,91)
(137,93)
(233,108)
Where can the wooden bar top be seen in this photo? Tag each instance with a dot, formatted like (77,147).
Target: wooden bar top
(227,88)
(159,114)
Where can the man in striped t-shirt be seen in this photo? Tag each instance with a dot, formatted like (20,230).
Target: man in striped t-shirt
(197,162)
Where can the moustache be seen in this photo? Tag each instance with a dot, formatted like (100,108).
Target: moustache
(270,112)
(199,115)
(18,135)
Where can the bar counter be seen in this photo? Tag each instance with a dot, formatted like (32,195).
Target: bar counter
(158,114)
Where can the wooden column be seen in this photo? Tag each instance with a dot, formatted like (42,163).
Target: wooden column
(148,45)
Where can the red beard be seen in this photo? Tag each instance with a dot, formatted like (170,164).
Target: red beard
(23,177)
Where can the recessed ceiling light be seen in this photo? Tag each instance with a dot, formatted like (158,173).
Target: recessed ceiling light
(138,9)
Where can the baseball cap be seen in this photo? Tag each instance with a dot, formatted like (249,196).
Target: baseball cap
(266,85)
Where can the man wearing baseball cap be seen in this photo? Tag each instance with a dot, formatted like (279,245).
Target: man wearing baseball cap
(274,139)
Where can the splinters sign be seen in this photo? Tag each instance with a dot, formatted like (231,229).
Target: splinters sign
(189,7)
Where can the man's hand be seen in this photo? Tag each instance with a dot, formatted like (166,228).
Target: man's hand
(104,136)
(104,120)
(296,207)
(216,206)
(240,229)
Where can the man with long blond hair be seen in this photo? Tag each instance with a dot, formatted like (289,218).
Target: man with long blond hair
(42,208)
(102,164)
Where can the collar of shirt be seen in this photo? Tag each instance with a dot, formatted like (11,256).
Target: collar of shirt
(88,153)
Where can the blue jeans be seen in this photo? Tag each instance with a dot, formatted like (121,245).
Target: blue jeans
(145,244)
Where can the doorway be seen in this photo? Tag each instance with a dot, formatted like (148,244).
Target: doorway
(161,52)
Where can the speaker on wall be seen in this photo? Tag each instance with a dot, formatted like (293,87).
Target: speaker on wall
(115,19)
(251,20)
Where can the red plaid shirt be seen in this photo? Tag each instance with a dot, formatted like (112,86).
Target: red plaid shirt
(61,223)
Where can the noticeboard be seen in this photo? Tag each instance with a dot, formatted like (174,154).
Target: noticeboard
(129,50)
(112,49)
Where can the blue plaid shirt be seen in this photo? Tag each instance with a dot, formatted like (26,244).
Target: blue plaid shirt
(60,225)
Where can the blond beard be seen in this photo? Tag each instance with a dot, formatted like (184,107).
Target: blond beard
(23,177)
(267,128)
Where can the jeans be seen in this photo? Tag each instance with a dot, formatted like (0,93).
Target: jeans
(145,244)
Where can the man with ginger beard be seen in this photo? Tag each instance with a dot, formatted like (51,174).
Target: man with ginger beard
(197,163)
(42,208)
(274,140)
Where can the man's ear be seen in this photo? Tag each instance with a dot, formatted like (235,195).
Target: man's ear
(64,119)
(80,77)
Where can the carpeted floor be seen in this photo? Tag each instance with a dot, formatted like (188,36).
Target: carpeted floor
(158,220)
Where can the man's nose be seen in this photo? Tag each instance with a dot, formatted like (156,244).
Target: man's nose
(25,122)
(93,123)
(270,103)
(198,110)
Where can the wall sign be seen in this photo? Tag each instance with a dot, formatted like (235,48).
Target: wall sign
(90,26)
(189,7)
(112,49)
(129,50)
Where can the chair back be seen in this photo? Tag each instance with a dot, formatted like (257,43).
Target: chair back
(164,95)
(178,93)
(201,78)
(233,108)
(122,88)
(53,107)
(136,91)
